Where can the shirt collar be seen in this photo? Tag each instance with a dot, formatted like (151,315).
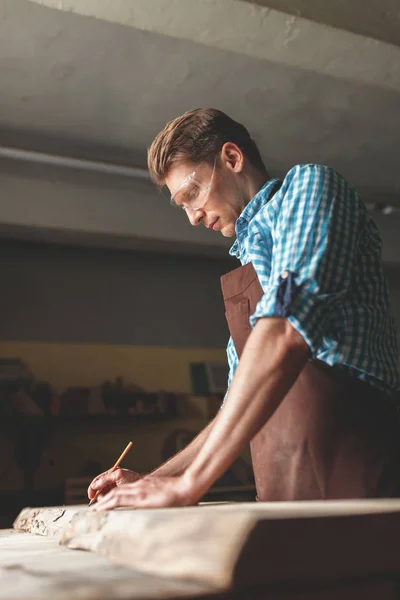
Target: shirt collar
(249,212)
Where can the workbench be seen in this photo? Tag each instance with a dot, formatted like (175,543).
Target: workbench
(236,551)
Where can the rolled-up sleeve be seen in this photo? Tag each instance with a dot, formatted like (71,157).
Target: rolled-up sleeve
(315,240)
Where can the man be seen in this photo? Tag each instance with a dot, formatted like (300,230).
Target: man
(316,389)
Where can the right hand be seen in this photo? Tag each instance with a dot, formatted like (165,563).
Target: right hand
(110,479)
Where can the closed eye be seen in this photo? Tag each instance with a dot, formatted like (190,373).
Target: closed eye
(193,193)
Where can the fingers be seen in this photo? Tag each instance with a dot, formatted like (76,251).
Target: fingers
(101,494)
(119,497)
(102,481)
(91,492)
(105,491)
(146,493)
(112,479)
(109,501)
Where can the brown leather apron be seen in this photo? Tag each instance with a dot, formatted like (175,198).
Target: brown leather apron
(331,437)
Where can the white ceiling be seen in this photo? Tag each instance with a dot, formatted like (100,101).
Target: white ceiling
(101,88)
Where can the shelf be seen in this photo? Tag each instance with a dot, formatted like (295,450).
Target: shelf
(84,420)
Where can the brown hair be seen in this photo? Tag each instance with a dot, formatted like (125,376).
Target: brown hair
(195,137)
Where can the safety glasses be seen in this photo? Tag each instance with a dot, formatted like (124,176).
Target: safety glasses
(192,194)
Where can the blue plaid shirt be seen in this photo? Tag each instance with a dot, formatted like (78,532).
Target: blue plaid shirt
(316,252)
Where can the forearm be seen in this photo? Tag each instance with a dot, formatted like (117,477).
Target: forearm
(273,357)
(178,464)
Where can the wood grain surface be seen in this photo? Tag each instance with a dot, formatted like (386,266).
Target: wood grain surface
(229,546)
(38,568)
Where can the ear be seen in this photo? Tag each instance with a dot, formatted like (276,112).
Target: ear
(232,157)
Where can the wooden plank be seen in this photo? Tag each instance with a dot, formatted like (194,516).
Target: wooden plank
(49,521)
(54,520)
(39,568)
(36,567)
(229,546)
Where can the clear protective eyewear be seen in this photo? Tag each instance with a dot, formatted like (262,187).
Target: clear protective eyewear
(192,194)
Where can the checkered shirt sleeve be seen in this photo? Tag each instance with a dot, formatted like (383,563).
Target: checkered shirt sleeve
(315,238)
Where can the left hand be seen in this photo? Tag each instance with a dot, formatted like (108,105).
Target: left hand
(150,492)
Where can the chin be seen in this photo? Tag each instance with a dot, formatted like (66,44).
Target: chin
(228,231)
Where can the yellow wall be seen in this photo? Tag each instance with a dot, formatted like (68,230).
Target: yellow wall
(151,367)
(68,448)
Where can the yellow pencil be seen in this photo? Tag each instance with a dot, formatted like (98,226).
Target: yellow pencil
(119,461)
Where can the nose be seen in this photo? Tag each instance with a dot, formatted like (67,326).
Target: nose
(195,216)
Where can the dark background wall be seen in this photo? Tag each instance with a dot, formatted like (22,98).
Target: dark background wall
(66,294)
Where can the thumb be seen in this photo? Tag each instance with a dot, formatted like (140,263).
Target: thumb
(105,479)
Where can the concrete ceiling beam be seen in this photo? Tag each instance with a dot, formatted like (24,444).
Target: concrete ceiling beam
(256,31)
(378,19)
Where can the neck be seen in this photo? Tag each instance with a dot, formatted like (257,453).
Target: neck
(255,180)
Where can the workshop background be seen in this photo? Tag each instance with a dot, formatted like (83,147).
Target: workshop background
(112,321)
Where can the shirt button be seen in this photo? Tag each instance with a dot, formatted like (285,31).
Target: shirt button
(285,274)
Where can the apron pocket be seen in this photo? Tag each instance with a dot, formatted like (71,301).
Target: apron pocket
(237,315)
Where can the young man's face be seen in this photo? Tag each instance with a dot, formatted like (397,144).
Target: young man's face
(210,194)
